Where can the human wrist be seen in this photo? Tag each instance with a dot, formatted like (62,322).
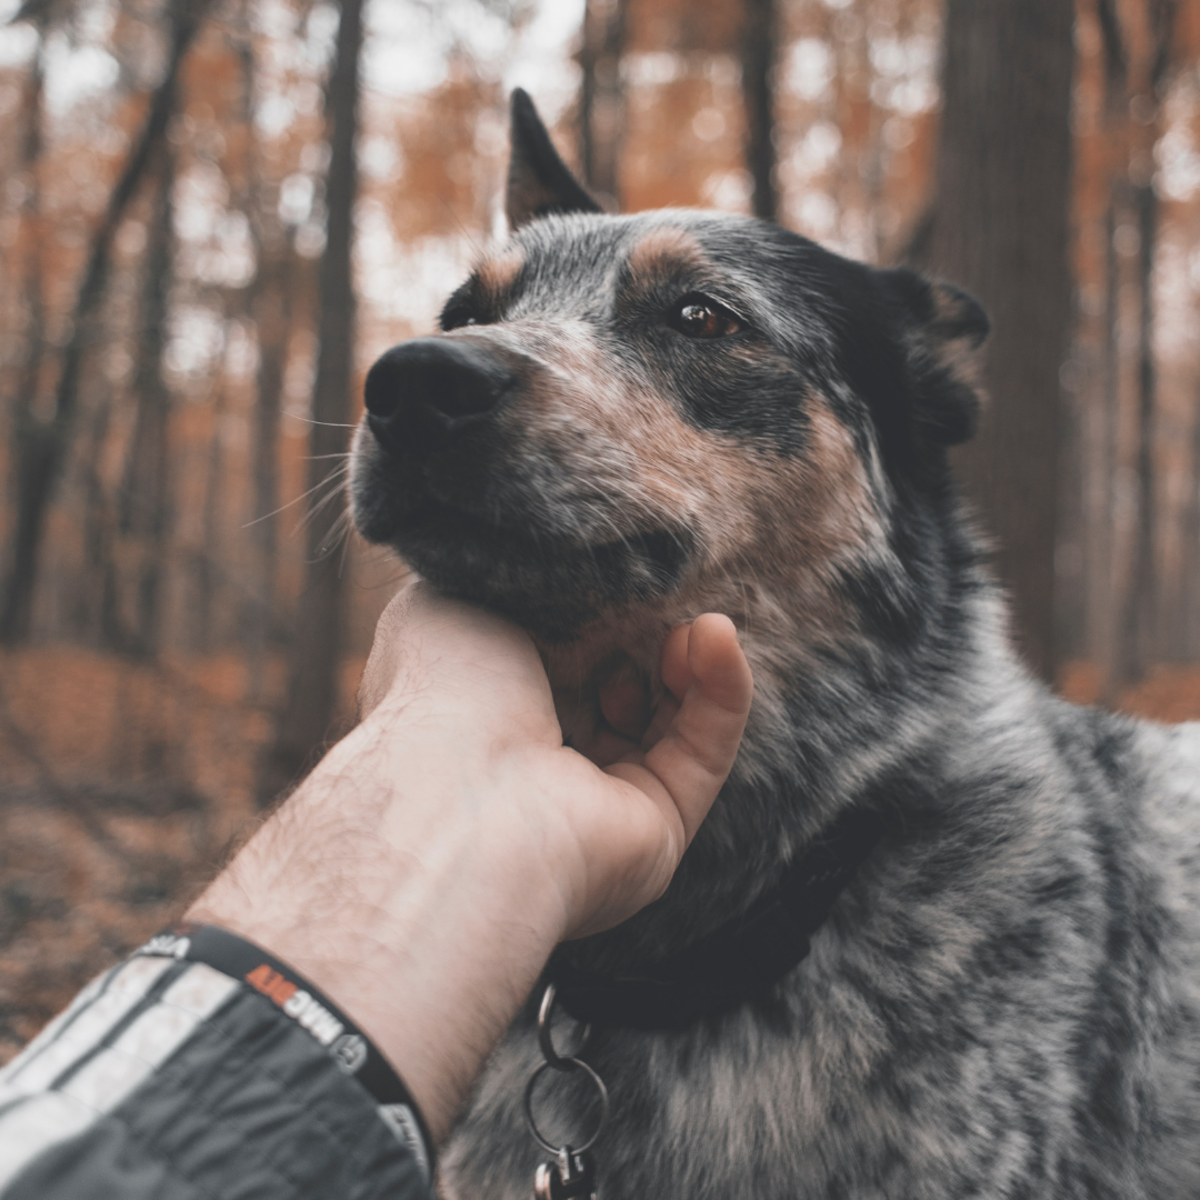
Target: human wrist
(394,890)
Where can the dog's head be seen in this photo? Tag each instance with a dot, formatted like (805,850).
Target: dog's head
(621,412)
(629,420)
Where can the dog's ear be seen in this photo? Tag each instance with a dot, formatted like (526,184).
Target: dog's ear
(538,180)
(943,333)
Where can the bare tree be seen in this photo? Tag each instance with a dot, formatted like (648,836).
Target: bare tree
(273,305)
(29,375)
(1138,620)
(40,444)
(602,97)
(29,372)
(1102,461)
(272,310)
(1001,230)
(1189,590)
(759,39)
(206,574)
(144,501)
(316,652)
(98,615)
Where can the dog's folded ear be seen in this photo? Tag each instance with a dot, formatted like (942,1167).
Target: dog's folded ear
(944,330)
(539,182)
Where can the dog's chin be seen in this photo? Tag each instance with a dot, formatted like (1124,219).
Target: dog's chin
(544,581)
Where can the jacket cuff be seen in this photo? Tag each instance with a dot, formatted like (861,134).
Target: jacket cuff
(352,1052)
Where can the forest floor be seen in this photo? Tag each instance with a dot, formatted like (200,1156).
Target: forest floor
(124,785)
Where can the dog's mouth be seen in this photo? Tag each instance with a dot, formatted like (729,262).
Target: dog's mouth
(550,583)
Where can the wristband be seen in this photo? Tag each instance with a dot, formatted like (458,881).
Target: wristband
(350,1049)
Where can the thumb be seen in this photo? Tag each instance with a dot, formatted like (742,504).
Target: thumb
(687,766)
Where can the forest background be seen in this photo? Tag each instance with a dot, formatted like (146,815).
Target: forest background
(214,215)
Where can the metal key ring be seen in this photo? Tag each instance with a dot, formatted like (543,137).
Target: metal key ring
(545,1038)
(573,1064)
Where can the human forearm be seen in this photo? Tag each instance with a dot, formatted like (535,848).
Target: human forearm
(396,900)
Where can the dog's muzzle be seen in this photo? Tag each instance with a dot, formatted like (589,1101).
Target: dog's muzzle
(423,394)
(458,475)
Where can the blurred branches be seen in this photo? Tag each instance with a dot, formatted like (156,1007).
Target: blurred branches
(316,654)
(759,40)
(602,107)
(41,443)
(199,264)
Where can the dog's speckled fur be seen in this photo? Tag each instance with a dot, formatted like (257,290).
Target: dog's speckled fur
(1006,1000)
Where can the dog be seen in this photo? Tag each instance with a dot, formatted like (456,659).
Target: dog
(627,420)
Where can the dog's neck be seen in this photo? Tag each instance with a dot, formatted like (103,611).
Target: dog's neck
(833,726)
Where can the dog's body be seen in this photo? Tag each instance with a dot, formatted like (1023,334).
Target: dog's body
(680,412)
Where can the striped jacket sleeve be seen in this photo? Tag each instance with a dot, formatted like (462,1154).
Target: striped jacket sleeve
(168,1079)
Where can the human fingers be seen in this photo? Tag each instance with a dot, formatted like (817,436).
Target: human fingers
(676,673)
(380,672)
(450,657)
(624,702)
(677,678)
(664,714)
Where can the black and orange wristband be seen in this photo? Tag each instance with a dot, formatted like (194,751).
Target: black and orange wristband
(351,1050)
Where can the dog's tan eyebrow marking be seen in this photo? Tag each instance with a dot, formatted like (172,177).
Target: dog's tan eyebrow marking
(667,248)
(495,276)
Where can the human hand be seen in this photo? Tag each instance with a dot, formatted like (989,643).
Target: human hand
(618,832)
(425,870)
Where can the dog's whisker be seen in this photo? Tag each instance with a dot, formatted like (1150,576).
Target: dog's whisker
(334,476)
(315,510)
(335,490)
(327,424)
(338,537)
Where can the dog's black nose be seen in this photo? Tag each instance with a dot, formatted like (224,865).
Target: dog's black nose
(431,387)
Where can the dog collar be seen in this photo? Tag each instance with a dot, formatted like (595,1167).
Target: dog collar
(739,961)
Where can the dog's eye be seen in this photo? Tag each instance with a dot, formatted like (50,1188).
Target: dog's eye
(700,317)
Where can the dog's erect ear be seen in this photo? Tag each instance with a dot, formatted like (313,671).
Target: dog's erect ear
(944,332)
(538,180)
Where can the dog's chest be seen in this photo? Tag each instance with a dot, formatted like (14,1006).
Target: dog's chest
(816,1093)
(954,1041)
(763,1109)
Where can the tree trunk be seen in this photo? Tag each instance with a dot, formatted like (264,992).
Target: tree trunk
(316,653)
(1111,559)
(33,267)
(1138,618)
(758,68)
(144,509)
(1190,569)
(1139,623)
(40,446)
(271,306)
(1003,192)
(29,374)
(1105,641)
(602,98)
(206,572)
(98,612)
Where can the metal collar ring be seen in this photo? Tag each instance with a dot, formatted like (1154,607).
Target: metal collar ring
(545,1036)
(569,1064)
